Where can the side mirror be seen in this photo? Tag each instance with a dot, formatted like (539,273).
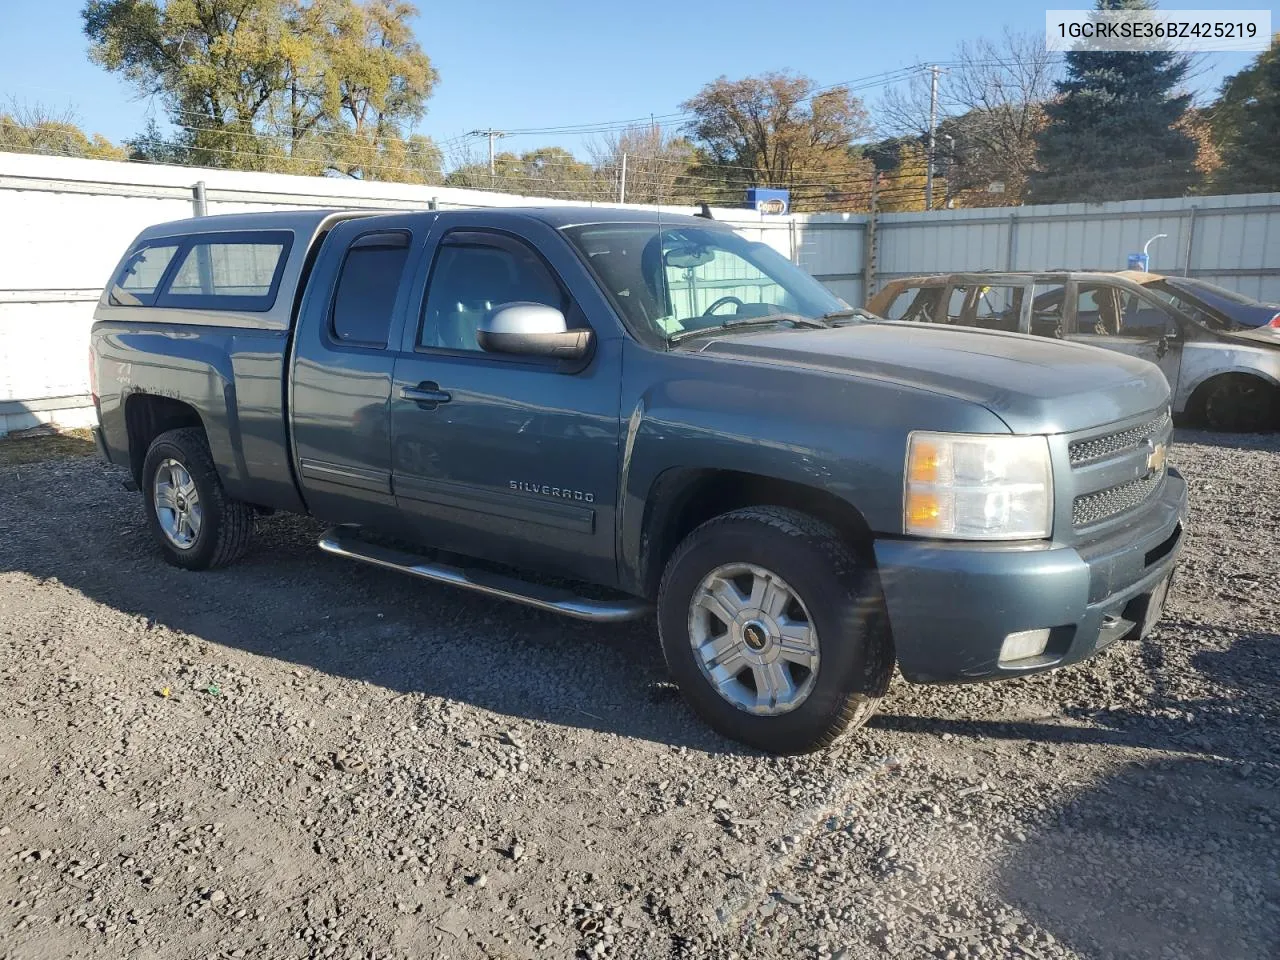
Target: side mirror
(532,330)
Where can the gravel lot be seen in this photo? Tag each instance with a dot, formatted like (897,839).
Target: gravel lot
(302,757)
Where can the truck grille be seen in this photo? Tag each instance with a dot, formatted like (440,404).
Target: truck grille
(1099,448)
(1098,462)
(1105,504)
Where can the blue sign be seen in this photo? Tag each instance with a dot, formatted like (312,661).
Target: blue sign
(1139,261)
(769,200)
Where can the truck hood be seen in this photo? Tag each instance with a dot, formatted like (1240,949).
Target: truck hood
(1033,384)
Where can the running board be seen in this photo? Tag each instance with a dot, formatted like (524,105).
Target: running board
(343,541)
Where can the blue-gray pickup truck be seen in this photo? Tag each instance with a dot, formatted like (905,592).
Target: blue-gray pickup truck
(603,412)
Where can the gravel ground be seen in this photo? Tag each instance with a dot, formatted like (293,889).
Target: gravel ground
(301,757)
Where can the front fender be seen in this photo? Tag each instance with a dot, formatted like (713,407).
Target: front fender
(835,433)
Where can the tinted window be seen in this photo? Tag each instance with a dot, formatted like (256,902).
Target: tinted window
(228,271)
(141,274)
(365,297)
(468,280)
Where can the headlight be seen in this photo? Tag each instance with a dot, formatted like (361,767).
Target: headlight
(976,487)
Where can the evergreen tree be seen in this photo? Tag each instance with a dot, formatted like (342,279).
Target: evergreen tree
(1110,133)
(1246,122)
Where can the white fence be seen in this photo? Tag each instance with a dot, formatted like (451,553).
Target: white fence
(64,223)
(1233,241)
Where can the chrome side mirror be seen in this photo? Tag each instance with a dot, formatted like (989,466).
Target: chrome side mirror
(531,329)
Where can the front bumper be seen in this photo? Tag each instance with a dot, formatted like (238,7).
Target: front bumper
(952,604)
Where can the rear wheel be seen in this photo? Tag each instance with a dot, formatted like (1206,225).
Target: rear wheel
(196,524)
(1238,403)
(774,630)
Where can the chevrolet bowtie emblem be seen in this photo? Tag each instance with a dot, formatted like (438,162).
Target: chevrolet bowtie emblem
(1156,458)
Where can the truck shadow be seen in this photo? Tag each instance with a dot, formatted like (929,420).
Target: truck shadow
(287,600)
(1173,855)
(1239,723)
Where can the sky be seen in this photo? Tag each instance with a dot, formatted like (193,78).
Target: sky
(530,64)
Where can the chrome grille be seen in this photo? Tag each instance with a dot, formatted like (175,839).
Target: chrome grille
(1104,504)
(1099,448)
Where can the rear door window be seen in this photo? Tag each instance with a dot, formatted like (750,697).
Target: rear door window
(229,271)
(368,284)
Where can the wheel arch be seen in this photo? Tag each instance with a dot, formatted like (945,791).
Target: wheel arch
(1196,391)
(683,498)
(147,416)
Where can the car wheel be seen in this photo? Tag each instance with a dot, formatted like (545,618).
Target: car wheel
(196,524)
(1238,403)
(774,629)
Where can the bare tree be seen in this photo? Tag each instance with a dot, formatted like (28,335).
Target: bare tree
(990,108)
(36,128)
(658,164)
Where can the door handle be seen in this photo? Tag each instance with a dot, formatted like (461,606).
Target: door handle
(426,395)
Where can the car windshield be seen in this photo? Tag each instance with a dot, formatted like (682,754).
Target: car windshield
(1193,286)
(677,280)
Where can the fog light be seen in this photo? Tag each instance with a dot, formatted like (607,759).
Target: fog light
(1023,644)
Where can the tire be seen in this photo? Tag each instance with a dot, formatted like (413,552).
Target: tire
(1238,403)
(218,529)
(830,589)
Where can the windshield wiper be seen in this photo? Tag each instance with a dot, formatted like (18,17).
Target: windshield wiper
(739,322)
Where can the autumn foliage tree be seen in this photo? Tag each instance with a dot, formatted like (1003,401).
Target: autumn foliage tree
(778,130)
(306,86)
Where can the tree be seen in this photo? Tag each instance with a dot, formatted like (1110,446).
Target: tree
(778,130)
(543,172)
(990,108)
(1246,125)
(658,165)
(38,129)
(307,86)
(1112,132)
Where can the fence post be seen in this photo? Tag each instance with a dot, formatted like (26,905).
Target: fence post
(869,241)
(1011,251)
(791,234)
(1191,241)
(199,203)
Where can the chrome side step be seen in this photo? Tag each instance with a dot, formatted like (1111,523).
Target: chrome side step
(343,541)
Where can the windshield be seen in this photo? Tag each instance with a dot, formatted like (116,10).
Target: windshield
(679,279)
(1204,286)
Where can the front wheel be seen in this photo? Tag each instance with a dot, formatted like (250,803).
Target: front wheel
(774,630)
(196,524)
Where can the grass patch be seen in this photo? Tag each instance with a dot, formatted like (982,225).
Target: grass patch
(70,443)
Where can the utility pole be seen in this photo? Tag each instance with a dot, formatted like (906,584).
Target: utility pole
(622,181)
(933,136)
(493,135)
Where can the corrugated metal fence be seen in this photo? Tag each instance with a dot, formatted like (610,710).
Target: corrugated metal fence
(66,221)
